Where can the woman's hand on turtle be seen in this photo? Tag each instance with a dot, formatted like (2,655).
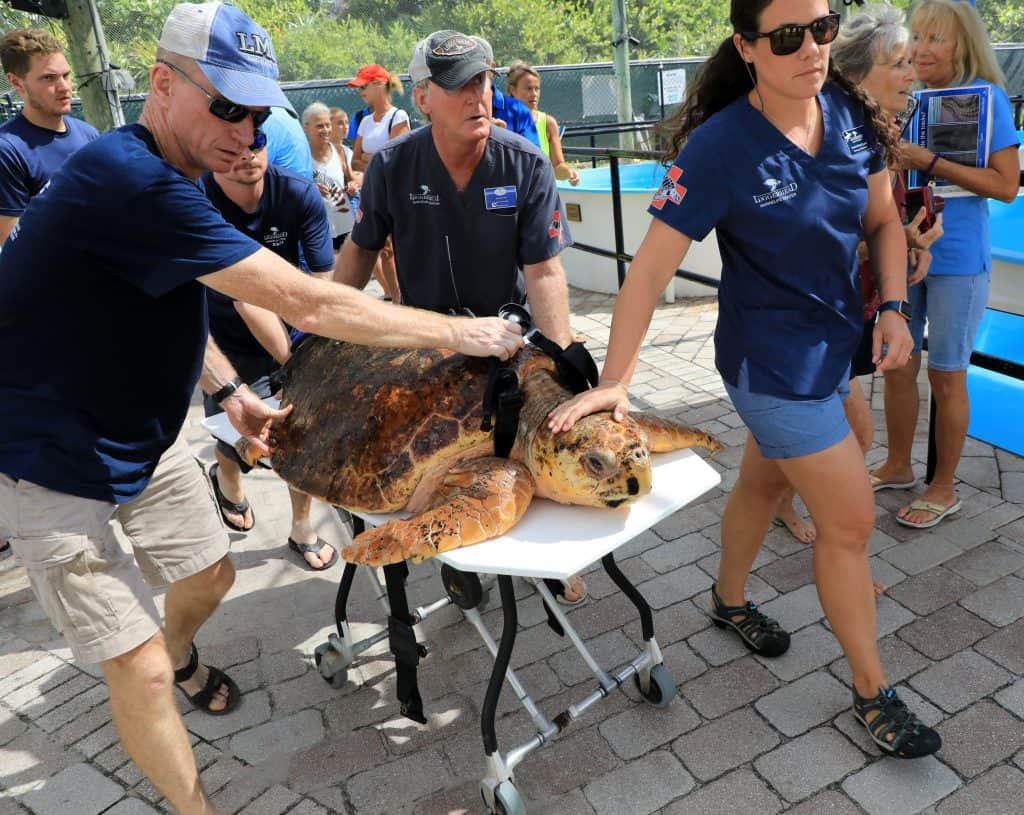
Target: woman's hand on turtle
(487,337)
(609,395)
(252,417)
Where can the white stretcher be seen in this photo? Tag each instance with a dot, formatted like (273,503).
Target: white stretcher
(551,541)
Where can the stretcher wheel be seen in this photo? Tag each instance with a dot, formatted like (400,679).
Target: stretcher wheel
(463,588)
(330,664)
(662,688)
(507,800)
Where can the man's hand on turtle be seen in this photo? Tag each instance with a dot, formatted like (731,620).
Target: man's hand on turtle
(252,417)
(608,395)
(487,337)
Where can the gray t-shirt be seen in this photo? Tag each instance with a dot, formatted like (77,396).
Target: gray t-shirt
(462,250)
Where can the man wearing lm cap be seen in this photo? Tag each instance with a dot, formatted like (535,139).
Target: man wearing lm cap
(103,334)
(473,208)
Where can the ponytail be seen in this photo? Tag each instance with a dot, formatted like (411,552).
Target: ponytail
(887,135)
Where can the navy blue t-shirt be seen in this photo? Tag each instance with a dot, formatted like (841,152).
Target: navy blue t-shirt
(787,224)
(291,213)
(102,322)
(31,155)
(462,249)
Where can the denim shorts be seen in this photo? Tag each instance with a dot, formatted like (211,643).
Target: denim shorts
(953,306)
(790,428)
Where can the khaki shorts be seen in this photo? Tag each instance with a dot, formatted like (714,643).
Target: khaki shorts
(89,561)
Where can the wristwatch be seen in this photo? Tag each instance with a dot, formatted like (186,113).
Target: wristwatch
(228,389)
(901,307)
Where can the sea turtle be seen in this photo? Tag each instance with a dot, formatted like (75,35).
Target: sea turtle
(384,429)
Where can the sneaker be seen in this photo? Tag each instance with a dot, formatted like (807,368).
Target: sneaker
(895,730)
(759,633)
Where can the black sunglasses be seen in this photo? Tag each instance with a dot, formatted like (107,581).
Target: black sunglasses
(224,109)
(788,39)
(259,141)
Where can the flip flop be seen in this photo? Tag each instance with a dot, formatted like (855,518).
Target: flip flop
(314,549)
(560,595)
(225,506)
(938,510)
(880,484)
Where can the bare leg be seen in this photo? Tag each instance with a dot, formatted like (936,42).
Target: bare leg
(189,603)
(785,512)
(229,477)
(902,402)
(150,727)
(841,569)
(302,529)
(858,414)
(748,514)
(952,415)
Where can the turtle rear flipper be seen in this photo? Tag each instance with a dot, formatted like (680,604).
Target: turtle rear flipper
(477,500)
(665,435)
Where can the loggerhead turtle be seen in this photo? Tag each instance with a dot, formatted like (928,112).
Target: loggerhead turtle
(385,429)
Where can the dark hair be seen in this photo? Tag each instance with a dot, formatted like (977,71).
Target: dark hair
(726,76)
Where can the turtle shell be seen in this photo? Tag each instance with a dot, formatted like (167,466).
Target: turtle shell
(369,423)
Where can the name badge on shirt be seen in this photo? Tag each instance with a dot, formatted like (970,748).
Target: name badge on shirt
(855,141)
(500,197)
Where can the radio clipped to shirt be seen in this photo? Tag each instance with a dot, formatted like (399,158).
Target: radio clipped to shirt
(924,198)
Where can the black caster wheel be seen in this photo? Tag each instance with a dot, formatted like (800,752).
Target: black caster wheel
(662,689)
(507,800)
(462,588)
(330,665)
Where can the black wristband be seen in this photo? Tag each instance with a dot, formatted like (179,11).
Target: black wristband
(222,394)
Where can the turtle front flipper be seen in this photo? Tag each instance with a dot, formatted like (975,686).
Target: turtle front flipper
(665,435)
(477,500)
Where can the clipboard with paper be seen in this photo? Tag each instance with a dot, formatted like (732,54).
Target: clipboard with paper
(956,123)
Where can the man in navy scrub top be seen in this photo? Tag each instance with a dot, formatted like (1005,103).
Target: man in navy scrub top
(472,207)
(103,326)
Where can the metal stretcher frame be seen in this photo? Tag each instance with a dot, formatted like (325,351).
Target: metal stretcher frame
(551,541)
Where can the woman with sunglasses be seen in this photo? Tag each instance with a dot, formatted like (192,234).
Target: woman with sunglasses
(785,159)
(872,50)
(948,48)
(384,122)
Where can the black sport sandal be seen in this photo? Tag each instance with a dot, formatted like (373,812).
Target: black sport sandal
(896,730)
(759,633)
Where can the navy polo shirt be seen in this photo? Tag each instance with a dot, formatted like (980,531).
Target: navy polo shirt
(31,155)
(290,215)
(787,225)
(462,249)
(102,321)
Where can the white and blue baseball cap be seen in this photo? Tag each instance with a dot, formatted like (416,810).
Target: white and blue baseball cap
(234,53)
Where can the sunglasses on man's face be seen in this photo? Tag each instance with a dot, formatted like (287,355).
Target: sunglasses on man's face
(224,109)
(788,39)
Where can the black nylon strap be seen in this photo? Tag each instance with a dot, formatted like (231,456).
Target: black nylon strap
(402,640)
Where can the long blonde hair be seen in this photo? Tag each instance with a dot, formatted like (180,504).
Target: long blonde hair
(973,57)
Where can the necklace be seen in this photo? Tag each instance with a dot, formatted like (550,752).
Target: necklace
(810,129)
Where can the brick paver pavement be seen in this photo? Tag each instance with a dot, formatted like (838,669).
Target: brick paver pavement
(745,735)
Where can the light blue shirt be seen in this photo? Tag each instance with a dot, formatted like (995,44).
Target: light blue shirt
(287,145)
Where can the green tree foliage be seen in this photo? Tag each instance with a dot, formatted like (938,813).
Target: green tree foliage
(326,39)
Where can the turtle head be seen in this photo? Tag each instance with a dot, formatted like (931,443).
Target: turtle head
(598,462)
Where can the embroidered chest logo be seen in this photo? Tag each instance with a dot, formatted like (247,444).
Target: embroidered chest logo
(555,227)
(425,196)
(275,238)
(670,191)
(777,192)
(855,141)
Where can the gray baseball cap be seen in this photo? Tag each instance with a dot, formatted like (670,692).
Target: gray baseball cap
(449,59)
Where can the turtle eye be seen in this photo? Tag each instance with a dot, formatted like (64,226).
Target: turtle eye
(599,465)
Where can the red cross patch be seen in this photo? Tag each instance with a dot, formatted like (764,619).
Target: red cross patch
(555,227)
(670,189)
